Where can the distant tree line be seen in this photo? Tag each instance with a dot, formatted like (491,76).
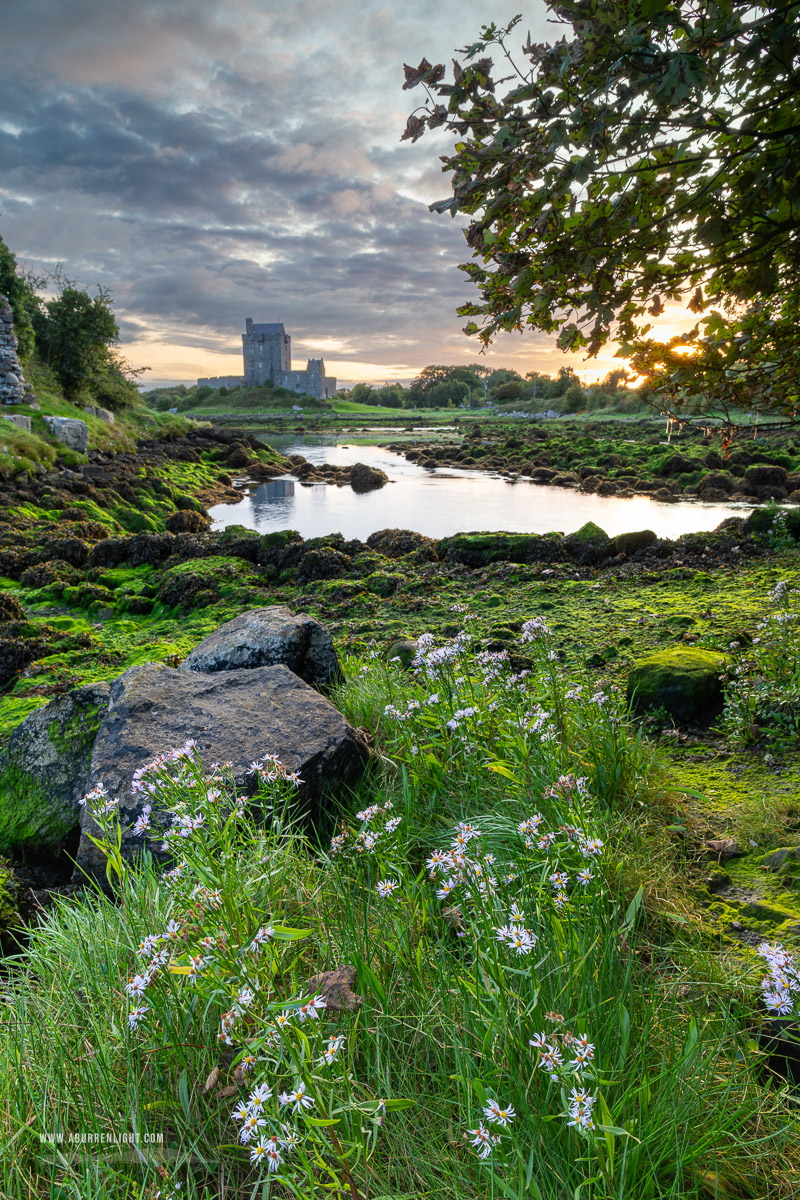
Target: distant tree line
(475,386)
(72,334)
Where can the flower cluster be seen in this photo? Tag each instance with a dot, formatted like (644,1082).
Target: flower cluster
(379,826)
(567,1058)
(486,1140)
(783,979)
(431,660)
(99,803)
(252,1117)
(534,629)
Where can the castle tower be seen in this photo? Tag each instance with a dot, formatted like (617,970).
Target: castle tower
(267,350)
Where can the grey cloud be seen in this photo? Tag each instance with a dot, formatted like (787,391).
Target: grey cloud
(248,164)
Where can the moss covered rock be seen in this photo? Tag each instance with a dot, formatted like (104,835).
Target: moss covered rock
(684,681)
(405,650)
(44,768)
(383,583)
(629,543)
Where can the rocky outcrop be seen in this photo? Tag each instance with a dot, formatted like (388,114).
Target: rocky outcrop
(44,768)
(685,682)
(13,389)
(366,479)
(70,432)
(266,637)
(233,716)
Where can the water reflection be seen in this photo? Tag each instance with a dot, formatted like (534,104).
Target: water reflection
(271,502)
(441,503)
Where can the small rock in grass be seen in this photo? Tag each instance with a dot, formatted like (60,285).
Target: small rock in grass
(723,848)
(337,989)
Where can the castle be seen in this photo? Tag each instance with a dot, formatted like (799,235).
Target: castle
(267,350)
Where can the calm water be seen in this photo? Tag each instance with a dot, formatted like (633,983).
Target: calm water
(443,502)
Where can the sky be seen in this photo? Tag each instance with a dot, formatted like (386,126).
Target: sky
(212,160)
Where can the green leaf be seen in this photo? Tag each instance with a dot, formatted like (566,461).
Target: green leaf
(369,980)
(283,933)
(321,1122)
(183,1094)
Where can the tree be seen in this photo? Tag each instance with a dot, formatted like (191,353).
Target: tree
(76,334)
(652,155)
(419,394)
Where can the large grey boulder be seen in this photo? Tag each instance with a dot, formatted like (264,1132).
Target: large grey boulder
(44,768)
(233,716)
(70,432)
(264,637)
(21,420)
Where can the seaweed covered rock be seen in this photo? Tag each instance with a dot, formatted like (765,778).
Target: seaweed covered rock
(366,479)
(44,767)
(202,581)
(686,682)
(143,549)
(323,562)
(10,608)
(187,521)
(232,716)
(481,549)
(397,543)
(264,637)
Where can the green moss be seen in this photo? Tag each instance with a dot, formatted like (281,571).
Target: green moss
(24,817)
(683,680)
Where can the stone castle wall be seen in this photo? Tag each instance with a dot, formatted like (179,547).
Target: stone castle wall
(13,389)
(219,381)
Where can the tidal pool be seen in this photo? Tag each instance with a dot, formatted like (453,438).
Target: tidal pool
(447,501)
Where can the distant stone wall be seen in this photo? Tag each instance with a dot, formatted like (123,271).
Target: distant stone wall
(13,389)
(218,381)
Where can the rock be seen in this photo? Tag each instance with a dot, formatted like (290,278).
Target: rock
(664,495)
(264,637)
(337,989)
(606,487)
(10,608)
(44,768)
(629,543)
(588,545)
(720,481)
(20,420)
(794,497)
(403,649)
(233,716)
(684,681)
(187,521)
(366,479)
(766,477)
(70,432)
(784,862)
(677,464)
(723,848)
(105,414)
(397,543)
(323,562)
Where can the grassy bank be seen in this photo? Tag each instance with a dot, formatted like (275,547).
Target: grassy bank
(455,1016)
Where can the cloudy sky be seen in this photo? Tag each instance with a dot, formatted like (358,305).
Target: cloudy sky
(209,160)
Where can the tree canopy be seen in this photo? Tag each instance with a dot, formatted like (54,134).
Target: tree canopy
(652,154)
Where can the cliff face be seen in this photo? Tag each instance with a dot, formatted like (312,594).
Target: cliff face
(13,389)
